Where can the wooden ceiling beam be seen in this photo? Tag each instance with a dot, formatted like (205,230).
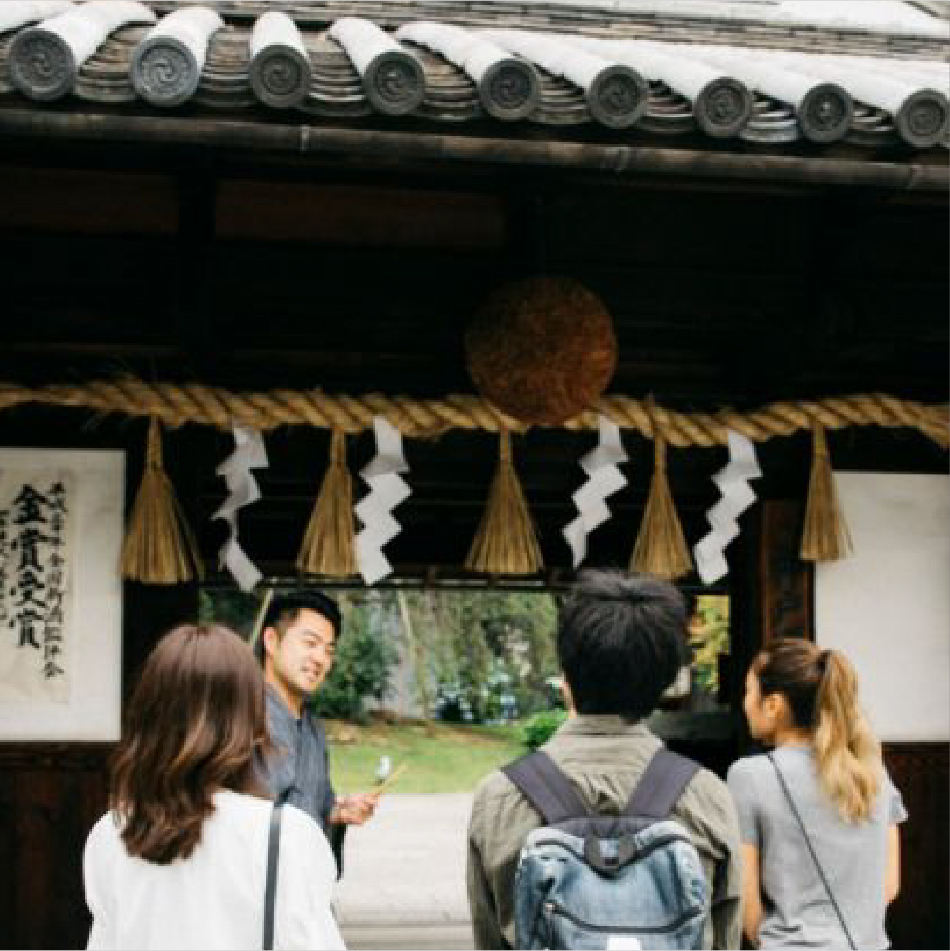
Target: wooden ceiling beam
(395,148)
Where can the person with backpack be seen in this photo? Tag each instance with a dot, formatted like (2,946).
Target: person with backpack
(605,839)
(819,814)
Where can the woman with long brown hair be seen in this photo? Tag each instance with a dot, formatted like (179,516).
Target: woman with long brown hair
(179,860)
(818,815)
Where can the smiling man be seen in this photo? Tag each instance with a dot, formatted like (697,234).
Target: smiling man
(298,643)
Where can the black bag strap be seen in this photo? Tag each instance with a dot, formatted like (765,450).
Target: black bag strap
(270,886)
(546,787)
(811,849)
(661,785)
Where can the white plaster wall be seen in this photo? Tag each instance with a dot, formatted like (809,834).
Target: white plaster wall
(888,606)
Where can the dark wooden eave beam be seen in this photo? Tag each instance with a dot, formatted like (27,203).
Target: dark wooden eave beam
(621,160)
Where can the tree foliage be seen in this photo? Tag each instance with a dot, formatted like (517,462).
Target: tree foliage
(542,726)
(365,658)
(488,654)
(476,656)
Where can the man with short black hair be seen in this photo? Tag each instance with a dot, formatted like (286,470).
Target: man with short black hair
(297,645)
(621,641)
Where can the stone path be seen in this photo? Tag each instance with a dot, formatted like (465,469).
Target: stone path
(404,879)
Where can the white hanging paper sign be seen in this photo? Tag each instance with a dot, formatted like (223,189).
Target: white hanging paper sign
(389,456)
(726,528)
(387,489)
(380,529)
(604,479)
(38,551)
(589,498)
(374,565)
(710,561)
(608,451)
(61,529)
(388,492)
(233,557)
(737,496)
(743,462)
(576,537)
(249,453)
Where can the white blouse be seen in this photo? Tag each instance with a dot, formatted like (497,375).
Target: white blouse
(214,899)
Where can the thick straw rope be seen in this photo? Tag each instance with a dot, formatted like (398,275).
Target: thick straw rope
(175,404)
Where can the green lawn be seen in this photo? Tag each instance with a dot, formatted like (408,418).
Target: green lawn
(441,757)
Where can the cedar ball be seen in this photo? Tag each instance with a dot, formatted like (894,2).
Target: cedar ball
(542,349)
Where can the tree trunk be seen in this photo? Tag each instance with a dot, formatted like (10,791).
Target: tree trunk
(416,654)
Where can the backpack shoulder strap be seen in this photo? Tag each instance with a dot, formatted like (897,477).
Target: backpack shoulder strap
(546,787)
(661,785)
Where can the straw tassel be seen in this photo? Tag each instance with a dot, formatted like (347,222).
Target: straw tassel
(328,546)
(159,546)
(661,547)
(826,536)
(506,543)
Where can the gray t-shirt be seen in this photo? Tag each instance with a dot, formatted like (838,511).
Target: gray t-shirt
(798,912)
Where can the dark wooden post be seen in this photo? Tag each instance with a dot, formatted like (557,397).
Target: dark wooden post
(774,595)
(918,917)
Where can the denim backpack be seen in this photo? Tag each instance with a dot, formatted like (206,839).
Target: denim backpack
(628,881)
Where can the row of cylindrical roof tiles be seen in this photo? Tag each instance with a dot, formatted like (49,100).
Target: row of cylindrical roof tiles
(114,51)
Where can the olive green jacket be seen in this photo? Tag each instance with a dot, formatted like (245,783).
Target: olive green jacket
(605,757)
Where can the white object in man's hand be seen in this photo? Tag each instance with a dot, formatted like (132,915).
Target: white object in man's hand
(384,769)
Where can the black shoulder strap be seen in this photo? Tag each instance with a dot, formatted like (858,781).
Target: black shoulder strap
(270,887)
(546,787)
(661,785)
(811,849)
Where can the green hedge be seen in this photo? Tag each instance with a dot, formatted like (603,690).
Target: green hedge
(540,727)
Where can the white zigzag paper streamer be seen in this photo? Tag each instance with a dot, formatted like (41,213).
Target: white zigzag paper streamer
(737,496)
(387,489)
(249,453)
(604,479)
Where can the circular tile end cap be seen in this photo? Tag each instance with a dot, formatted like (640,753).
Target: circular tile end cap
(280,76)
(394,83)
(42,65)
(164,71)
(923,118)
(509,89)
(618,96)
(825,113)
(723,107)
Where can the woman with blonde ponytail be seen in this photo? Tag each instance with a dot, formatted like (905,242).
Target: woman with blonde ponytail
(818,814)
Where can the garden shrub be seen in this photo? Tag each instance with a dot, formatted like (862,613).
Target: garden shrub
(540,727)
